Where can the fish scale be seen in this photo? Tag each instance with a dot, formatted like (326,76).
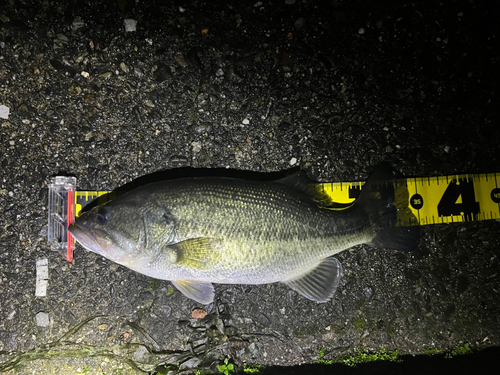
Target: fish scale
(293,231)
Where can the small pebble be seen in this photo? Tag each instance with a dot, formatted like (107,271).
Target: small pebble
(75,90)
(198,314)
(42,319)
(105,75)
(77,23)
(299,23)
(124,67)
(180,60)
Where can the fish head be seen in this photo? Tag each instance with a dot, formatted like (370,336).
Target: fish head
(123,231)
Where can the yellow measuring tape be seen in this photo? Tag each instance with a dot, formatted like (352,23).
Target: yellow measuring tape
(83,198)
(438,200)
(433,200)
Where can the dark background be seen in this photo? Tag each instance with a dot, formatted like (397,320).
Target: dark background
(332,87)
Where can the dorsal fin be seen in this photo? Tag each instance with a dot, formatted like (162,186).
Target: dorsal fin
(300,182)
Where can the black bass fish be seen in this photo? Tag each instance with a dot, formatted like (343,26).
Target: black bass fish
(199,231)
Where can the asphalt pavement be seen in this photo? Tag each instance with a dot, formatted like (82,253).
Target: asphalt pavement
(112,91)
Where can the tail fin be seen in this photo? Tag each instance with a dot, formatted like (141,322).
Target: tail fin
(382,202)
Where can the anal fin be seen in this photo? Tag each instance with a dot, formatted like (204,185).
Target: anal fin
(319,283)
(201,292)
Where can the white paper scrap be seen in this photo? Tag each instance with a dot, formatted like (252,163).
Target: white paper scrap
(42,277)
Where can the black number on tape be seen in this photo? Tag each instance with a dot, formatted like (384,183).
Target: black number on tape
(416,201)
(468,206)
(495,195)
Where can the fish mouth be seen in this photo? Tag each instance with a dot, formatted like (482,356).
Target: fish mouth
(86,238)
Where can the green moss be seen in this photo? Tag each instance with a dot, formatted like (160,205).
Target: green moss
(362,357)
(251,369)
(324,362)
(459,350)
(154,284)
(360,323)
(432,351)
(321,360)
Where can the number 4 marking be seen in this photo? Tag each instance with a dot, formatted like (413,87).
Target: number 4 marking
(459,199)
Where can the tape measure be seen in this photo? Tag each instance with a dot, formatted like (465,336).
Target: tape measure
(431,200)
(438,200)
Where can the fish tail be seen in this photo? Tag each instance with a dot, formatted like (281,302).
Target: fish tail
(383,201)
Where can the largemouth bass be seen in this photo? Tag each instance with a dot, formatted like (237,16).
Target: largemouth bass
(199,231)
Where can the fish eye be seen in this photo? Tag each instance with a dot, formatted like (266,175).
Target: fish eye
(102,216)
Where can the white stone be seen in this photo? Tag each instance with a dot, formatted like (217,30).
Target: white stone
(42,319)
(4,112)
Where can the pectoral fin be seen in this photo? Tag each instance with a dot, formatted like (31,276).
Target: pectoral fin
(319,283)
(199,291)
(198,253)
